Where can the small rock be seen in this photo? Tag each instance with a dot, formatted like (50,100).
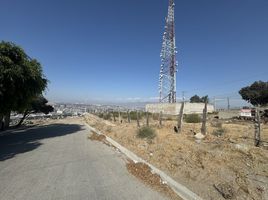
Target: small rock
(242,147)
(164,182)
(199,136)
(225,189)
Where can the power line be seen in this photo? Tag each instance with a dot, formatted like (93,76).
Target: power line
(223,84)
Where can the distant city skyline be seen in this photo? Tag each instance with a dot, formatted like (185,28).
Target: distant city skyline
(105,52)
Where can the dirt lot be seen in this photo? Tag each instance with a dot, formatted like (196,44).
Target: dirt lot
(218,167)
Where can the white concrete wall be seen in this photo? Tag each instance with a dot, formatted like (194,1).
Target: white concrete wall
(174,108)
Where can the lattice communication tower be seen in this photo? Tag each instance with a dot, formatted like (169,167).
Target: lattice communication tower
(168,70)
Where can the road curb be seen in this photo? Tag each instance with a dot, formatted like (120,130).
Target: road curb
(180,189)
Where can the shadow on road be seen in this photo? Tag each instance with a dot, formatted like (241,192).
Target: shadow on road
(21,141)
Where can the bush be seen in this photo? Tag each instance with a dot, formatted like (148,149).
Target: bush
(107,116)
(169,118)
(124,115)
(133,115)
(100,115)
(218,132)
(146,132)
(192,118)
(115,114)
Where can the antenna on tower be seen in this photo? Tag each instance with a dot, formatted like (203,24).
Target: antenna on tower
(168,69)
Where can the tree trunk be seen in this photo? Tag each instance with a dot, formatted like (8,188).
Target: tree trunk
(2,127)
(128,116)
(119,117)
(180,118)
(257,127)
(138,120)
(160,119)
(7,120)
(204,120)
(147,119)
(26,112)
(114,117)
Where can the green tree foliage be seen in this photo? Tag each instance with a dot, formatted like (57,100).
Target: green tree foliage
(204,99)
(37,105)
(197,99)
(256,94)
(21,79)
(146,132)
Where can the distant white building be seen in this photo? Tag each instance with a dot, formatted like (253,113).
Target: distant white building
(174,108)
(59,112)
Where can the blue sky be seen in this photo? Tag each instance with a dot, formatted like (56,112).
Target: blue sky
(96,51)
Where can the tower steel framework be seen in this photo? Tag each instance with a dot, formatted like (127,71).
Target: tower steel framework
(168,69)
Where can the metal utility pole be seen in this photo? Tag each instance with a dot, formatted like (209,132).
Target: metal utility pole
(215,104)
(168,70)
(183,96)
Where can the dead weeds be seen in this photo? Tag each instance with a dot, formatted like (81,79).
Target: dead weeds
(97,137)
(144,173)
(230,158)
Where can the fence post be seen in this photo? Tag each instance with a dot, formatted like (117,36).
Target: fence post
(138,120)
(257,126)
(204,120)
(114,117)
(147,119)
(180,118)
(119,116)
(128,117)
(160,119)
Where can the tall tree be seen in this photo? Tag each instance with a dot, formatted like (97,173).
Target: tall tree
(21,79)
(195,99)
(257,95)
(198,99)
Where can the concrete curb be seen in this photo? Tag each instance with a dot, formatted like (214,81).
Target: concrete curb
(180,189)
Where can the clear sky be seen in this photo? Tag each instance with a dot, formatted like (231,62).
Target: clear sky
(108,50)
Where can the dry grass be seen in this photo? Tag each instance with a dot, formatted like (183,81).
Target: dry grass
(143,172)
(95,136)
(230,158)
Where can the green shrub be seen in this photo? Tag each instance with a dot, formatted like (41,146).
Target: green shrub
(146,132)
(133,115)
(116,114)
(219,132)
(100,115)
(124,115)
(192,118)
(169,118)
(107,116)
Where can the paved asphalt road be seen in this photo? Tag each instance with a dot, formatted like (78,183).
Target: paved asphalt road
(57,161)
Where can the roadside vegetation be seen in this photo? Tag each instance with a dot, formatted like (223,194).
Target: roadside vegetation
(22,82)
(192,118)
(146,133)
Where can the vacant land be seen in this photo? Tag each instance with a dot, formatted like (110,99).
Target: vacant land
(226,166)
